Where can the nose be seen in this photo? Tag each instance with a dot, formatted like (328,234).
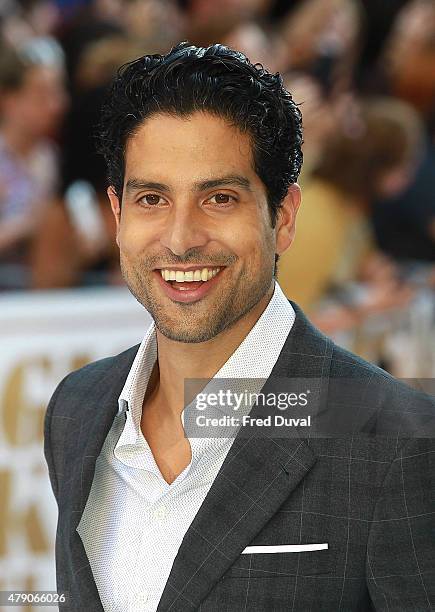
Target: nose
(185,228)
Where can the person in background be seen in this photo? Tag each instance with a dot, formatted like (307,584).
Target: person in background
(374,152)
(208,20)
(408,60)
(404,223)
(23,20)
(322,38)
(32,104)
(322,115)
(76,244)
(379,20)
(151,24)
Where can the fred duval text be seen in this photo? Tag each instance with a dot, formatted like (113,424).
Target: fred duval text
(247,421)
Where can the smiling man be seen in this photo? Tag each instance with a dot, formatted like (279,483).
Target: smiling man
(203,152)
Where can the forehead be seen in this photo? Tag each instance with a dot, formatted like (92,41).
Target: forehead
(200,144)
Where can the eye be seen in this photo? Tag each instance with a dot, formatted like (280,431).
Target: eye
(222,199)
(150,199)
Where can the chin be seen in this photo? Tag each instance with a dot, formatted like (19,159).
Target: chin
(185,336)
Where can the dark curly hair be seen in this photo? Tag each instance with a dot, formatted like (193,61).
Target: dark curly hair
(218,80)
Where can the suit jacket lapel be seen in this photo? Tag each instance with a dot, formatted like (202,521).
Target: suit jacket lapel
(255,479)
(104,407)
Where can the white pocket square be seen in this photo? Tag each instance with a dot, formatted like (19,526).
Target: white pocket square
(284,548)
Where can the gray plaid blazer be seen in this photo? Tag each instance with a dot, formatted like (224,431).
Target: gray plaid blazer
(371,498)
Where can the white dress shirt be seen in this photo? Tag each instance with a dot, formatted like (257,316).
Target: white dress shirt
(134,521)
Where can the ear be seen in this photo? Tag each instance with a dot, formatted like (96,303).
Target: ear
(116,209)
(286,219)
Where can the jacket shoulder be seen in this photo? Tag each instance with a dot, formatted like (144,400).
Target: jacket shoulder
(344,362)
(76,394)
(95,371)
(391,403)
(74,401)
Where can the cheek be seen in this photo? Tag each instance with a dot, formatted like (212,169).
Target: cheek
(136,242)
(128,241)
(258,251)
(250,229)
(268,249)
(266,240)
(131,231)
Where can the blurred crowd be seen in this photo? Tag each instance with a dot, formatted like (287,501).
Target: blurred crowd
(363,73)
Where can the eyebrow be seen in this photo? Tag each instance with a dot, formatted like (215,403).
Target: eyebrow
(235,180)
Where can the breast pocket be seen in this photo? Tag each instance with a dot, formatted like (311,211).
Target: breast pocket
(278,581)
(284,560)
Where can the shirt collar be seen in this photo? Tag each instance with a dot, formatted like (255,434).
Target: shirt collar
(254,358)
(140,370)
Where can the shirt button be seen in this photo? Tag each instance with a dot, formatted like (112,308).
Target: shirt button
(159,513)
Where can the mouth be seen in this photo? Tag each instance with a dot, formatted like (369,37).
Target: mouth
(190,285)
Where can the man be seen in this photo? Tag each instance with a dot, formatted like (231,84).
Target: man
(203,152)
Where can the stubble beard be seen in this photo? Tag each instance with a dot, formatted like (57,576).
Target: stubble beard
(193,322)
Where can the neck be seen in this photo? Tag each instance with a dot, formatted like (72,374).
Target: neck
(178,361)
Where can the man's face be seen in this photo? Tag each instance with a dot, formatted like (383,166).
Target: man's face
(191,199)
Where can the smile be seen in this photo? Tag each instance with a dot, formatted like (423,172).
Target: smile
(188,286)
(203,274)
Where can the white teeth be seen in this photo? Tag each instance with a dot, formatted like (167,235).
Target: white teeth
(192,275)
